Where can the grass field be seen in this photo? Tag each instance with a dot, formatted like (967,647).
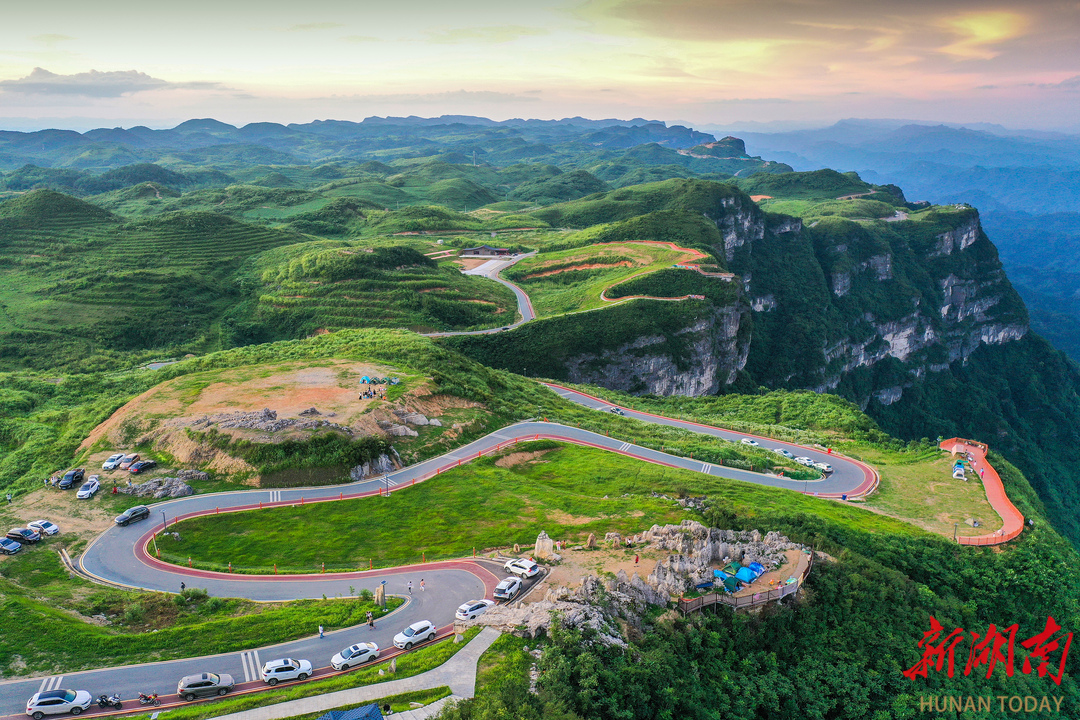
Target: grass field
(567,491)
(572,280)
(47,625)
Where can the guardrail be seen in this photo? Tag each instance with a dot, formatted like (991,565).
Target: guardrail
(1011,518)
(689,605)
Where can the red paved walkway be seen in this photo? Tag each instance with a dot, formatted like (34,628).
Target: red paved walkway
(995,493)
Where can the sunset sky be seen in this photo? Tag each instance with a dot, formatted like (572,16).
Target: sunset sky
(121,62)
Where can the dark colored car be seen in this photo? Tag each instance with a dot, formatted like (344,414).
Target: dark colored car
(9,547)
(142,465)
(139,512)
(72,478)
(23,535)
(205,685)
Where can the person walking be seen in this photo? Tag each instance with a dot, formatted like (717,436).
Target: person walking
(9,498)
(183,587)
(410,587)
(320,631)
(421,584)
(371,619)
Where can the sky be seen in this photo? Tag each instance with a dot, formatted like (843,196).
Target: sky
(703,62)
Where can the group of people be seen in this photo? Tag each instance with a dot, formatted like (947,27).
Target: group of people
(376,394)
(409,585)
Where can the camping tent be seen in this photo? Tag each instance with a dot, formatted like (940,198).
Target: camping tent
(731,583)
(758,569)
(746,575)
(732,568)
(365,380)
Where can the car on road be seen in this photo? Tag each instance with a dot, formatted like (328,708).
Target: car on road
(113,462)
(127,460)
(507,589)
(204,685)
(805,461)
(44,527)
(71,478)
(23,535)
(91,486)
(786,453)
(354,655)
(823,467)
(617,411)
(276,671)
(415,634)
(473,609)
(750,441)
(57,702)
(523,568)
(9,547)
(133,514)
(142,466)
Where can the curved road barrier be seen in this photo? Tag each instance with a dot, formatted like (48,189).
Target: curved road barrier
(1012,519)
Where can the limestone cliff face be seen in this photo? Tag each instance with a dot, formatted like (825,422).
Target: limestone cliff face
(712,351)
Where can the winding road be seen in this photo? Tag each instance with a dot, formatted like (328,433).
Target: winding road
(118,556)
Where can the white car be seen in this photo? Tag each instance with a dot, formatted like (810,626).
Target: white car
(507,589)
(617,411)
(786,453)
(750,441)
(805,461)
(472,609)
(91,486)
(57,702)
(44,527)
(416,633)
(353,655)
(275,671)
(823,467)
(523,568)
(113,462)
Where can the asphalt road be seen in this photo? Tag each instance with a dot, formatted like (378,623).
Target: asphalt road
(118,556)
(491,270)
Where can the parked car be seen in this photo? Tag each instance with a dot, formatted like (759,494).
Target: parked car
(750,441)
(23,535)
(91,486)
(617,411)
(522,567)
(113,462)
(9,547)
(415,634)
(204,685)
(354,655)
(141,466)
(823,467)
(43,527)
(786,453)
(133,514)
(57,702)
(507,589)
(805,461)
(127,460)
(473,609)
(275,671)
(72,478)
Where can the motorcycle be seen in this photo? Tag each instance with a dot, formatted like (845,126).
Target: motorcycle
(151,699)
(107,701)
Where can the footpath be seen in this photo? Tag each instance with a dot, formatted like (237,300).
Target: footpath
(1012,519)
(458,673)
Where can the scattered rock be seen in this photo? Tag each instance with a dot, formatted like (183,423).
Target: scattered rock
(401,431)
(545,546)
(590,542)
(160,488)
(310,411)
(379,466)
(613,538)
(192,475)
(266,420)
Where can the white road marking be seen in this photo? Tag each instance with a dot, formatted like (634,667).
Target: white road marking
(249,660)
(706,468)
(625,446)
(51,683)
(275,496)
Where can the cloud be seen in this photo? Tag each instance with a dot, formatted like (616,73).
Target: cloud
(51,39)
(472,96)
(979,33)
(492,34)
(95,84)
(307,27)
(360,39)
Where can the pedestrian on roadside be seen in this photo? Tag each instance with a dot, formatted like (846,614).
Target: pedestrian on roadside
(371,619)
(183,587)
(9,498)
(410,587)
(421,583)
(320,631)
(636,558)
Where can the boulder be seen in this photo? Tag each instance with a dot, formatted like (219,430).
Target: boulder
(544,548)
(590,542)
(381,465)
(160,488)
(401,431)
(190,475)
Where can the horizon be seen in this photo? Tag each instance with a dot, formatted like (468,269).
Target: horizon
(707,63)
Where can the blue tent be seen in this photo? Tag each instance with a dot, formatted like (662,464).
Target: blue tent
(365,380)
(720,574)
(366,712)
(758,569)
(746,575)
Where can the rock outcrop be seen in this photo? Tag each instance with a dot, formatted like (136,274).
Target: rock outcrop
(378,466)
(267,420)
(168,487)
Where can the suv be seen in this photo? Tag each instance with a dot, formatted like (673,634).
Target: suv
(23,535)
(823,467)
(43,527)
(524,568)
(72,478)
(275,671)
(56,702)
(205,685)
(113,462)
(125,462)
(507,589)
(139,512)
(472,609)
(9,547)
(418,632)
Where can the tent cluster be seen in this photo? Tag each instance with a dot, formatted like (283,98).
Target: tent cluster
(959,467)
(379,381)
(735,575)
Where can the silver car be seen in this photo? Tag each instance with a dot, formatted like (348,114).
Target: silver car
(113,462)
(415,634)
(276,671)
(354,655)
(473,609)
